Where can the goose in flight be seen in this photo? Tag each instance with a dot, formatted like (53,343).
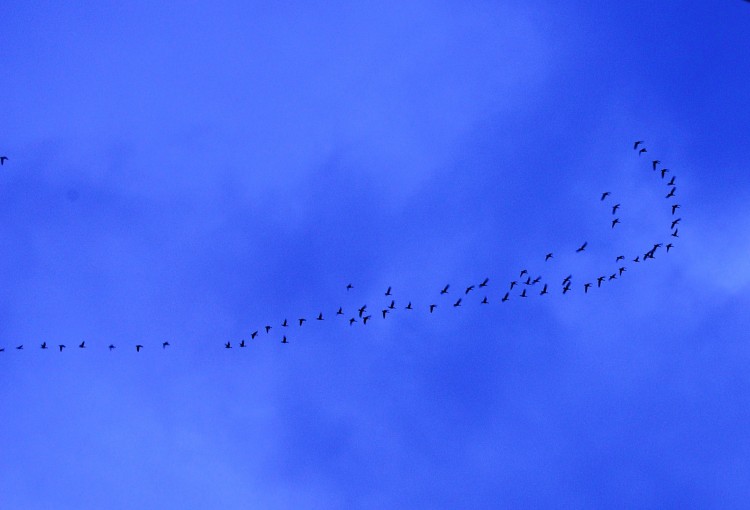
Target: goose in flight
(513,284)
(536,280)
(242,343)
(110,347)
(320,317)
(505,297)
(19,347)
(164,345)
(285,324)
(671,192)
(636,144)
(432,308)
(302,320)
(523,272)
(408,307)
(613,277)
(457,303)
(566,288)
(283,340)
(44,345)
(82,345)
(268,328)
(654,163)
(674,234)
(3,159)
(469,289)
(349,287)
(61,347)
(365,319)
(619,258)
(615,222)
(392,306)
(642,151)
(352,321)
(385,312)
(615,208)
(523,293)
(670,245)
(253,335)
(671,181)
(637,258)
(586,288)
(583,247)
(664,172)
(228,345)
(484,282)
(675,222)
(547,257)
(341,311)
(445,289)
(484,301)
(544,290)
(605,195)
(567,279)
(388,292)
(622,270)
(138,348)
(675,207)
(600,280)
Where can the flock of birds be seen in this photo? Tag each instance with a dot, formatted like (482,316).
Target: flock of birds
(521,287)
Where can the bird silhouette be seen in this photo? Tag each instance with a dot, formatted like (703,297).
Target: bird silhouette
(671,192)
(253,335)
(82,345)
(583,247)
(445,289)
(654,163)
(513,284)
(642,151)
(671,181)
(615,208)
(388,292)
(469,289)
(432,308)
(619,258)
(138,348)
(228,345)
(268,328)
(302,320)
(2,349)
(615,222)
(613,277)
(341,311)
(664,172)
(352,321)
(164,345)
(675,222)
(385,312)
(484,282)
(544,290)
(366,318)
(408,307)
(457,303)
(567,279)
(670,245)
(622,270)
(523,293)
(349,287)
(637,259)
(110,347)
(586,288)
(44,345)
(605,195)
(19,347)
(523,272)
(484,301)
(285,324)
(600,280)
(505,297)
(636,144)
(674,234)
(392,306)
(3,159)
(320,317)
(547,257)
(675,207)
(61,347)
(283,340)
(536,280)
(566,289)
(242,343)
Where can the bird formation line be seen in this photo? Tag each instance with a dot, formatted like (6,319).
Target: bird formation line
(523,287)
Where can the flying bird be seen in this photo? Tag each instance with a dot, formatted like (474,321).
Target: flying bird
(432,308)
(619,258)
(164,345)
(484,282)
(600,280)
(523,272)
(615,208)
(664,172)
(61,347)
(613,277)
(523,293)
(352,321)
(484,301)
(674,234)
(583,247)
(671,181)
(253,335)
(320,316)
(642,151)
(445,289)
(615,222)
(547,257)
(3,159)
(566,288)
(268,328)
(302,320)
(341,311)
(505,297)
(283,340)
(670,245)
(110,347)
(388,292)
(636,144)
(654,163)
(82,345)
(138,348)
(408,307)
(671,192)
(513,284)
(622,270)
(350,286)
(675,207)
(675,222)
(536,280)
(366,318)
(285,323)
(637,259)
(242,343)
(44,345)
(586,288)
(544,290)
(385,312)
(567,279)
(469,289)
(392,306)
(19,347)
(605,195)
(457,303)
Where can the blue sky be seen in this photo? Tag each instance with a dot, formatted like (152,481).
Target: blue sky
(190,173)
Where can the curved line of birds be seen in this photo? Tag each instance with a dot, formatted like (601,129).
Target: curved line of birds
(524,281)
